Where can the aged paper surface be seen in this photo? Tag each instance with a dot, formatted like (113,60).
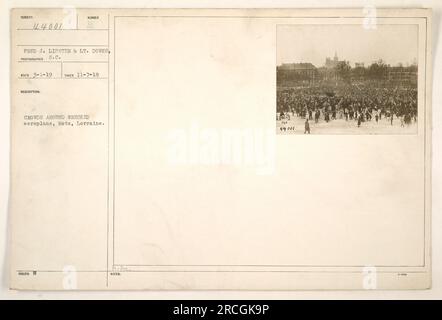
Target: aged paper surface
(162,149)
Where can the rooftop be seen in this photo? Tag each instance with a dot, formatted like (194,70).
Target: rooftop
(298,66)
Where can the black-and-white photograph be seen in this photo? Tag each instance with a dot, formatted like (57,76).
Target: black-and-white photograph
(347,79)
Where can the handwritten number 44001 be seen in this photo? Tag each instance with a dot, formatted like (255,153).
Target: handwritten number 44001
(47,26)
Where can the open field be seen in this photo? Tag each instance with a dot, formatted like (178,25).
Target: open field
(340,126)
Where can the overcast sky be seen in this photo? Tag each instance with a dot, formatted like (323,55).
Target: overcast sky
(310,43)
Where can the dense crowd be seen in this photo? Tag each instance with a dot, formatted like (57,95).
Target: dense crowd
(362,101)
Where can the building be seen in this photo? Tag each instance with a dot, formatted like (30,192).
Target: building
(359,72)
(296,72)
(332,63)
(302,69)
(403,74)
(328,71)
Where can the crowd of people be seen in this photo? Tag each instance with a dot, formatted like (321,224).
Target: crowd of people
(358,102)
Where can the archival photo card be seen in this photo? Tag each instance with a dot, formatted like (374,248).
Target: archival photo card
(145,153)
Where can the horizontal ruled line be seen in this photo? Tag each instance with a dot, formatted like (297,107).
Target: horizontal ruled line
(30,29)
(222,271)
(62,45)
(64,78)
(38,61)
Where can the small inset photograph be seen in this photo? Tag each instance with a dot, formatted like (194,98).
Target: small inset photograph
(346,79)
